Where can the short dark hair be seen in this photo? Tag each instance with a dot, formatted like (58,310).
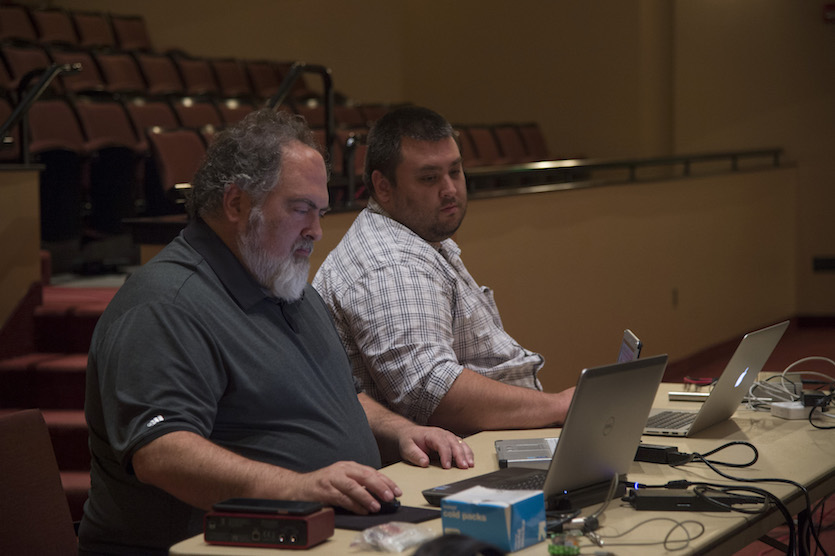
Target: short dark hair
(247,154)
(384,139)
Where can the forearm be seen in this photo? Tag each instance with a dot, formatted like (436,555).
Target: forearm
(386,425)
(201,473)
(475,403)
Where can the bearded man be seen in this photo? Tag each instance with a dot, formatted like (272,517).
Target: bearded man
(216,371)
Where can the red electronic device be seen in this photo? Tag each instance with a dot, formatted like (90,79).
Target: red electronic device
(242,524)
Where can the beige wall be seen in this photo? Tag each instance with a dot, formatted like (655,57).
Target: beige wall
(753,73)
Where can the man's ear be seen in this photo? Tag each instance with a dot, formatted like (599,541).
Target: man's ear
(235,204)
(382,186)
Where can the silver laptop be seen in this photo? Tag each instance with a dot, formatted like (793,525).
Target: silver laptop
(738,376)
(537,452)
(598,441)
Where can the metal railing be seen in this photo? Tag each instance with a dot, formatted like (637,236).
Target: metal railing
(550,175)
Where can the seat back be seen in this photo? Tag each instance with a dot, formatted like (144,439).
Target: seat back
(233,110)
(160,73)
(196,113)
(264,78)
(197,76)
(130,32)
(36,515)
(15,23)
(54,26)
(121,73)
(53,125)
(231,77)
(105,124)
(469,154)
(177,153)
(486,145)
(146,113)
(534,141)
(511,144)
(93,30)
(21,59)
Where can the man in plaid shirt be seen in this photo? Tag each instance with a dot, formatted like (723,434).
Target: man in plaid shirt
(423,337)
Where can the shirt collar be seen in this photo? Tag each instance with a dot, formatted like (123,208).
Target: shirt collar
(237,280)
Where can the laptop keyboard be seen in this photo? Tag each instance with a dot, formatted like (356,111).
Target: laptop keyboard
(535,481)
(670,420)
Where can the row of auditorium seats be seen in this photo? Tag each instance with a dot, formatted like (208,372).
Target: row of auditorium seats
(104,134)
(121,158)
(150,73)
(78,28)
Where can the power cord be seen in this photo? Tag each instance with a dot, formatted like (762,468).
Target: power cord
(788,390)
(795,536)
(670,455)
(668,543)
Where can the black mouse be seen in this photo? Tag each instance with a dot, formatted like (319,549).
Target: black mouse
(387,507)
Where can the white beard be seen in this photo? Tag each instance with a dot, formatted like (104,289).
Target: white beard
(285,277)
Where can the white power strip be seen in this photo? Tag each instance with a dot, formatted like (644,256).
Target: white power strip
(791,410)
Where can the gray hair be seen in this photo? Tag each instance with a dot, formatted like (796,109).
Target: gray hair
(384,139)
(249,155)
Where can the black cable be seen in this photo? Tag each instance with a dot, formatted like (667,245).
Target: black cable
(793,534)
(685,458)
(703,491)
(823,403)
(774,480)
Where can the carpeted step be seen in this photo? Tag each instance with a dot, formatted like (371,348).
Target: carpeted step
(64,322)
(17,377)
(60,382)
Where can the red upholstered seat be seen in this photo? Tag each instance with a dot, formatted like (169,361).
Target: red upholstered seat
(36,515)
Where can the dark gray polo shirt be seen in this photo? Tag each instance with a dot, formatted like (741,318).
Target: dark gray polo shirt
(191,342)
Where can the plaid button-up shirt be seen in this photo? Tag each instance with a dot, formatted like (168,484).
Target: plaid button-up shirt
(411,317)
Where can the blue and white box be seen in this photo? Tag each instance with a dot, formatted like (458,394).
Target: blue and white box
(507,519)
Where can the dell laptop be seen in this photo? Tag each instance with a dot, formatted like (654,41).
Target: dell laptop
(537,452)
(735,381)
(598,441)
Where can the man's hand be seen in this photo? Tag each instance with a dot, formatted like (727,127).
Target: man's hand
(417,443)
(347,484)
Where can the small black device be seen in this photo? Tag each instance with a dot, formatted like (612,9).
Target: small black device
(685,500)
(267,506)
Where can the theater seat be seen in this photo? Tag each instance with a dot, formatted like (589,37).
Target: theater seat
(93,30)
(176,155)
(231,78)
(36,516)
(131,32)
